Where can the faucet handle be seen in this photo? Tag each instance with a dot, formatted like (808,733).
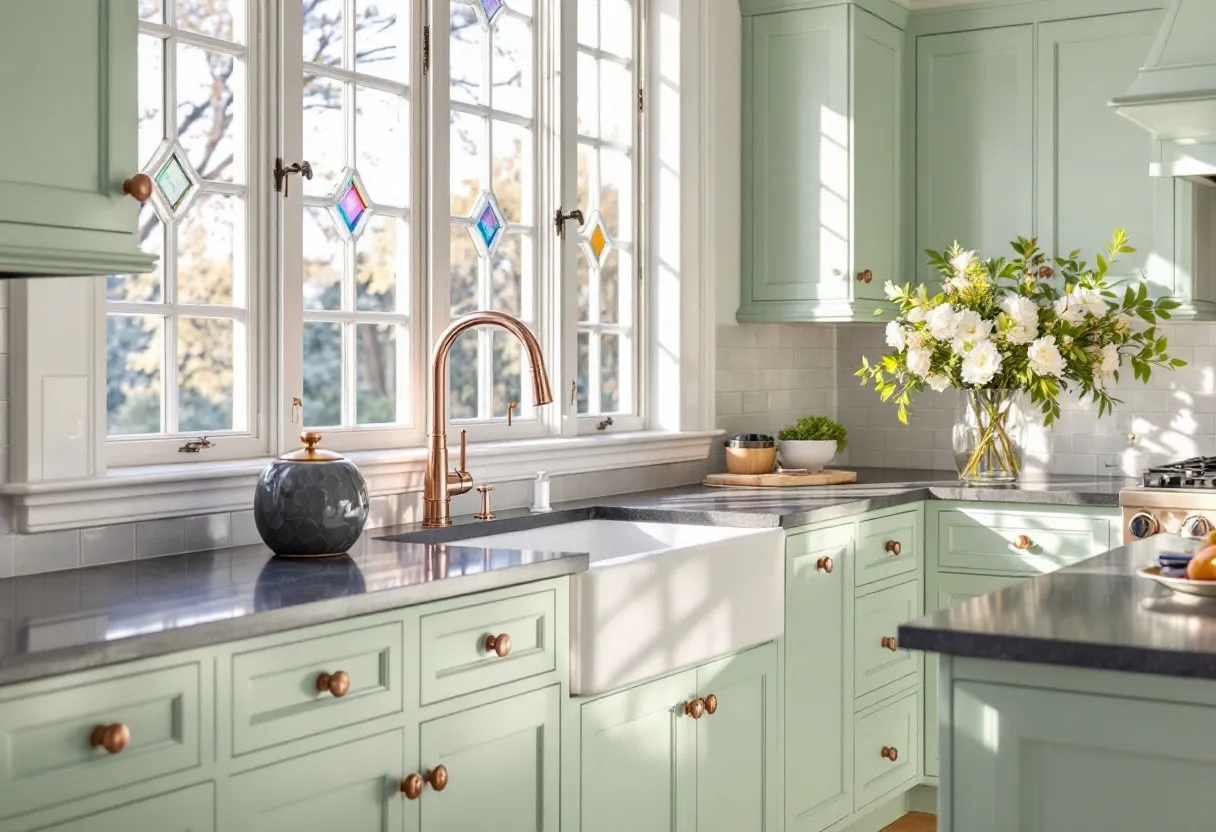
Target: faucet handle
(464,450)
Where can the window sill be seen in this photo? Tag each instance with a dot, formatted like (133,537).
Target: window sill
(152,492)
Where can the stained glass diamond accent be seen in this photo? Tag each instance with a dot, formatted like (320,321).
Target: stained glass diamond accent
(595,240)
(488,224)
(488,11)
(351,207)
(175,178)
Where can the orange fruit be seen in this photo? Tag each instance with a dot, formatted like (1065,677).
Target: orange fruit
(1209,539)
(1203,566)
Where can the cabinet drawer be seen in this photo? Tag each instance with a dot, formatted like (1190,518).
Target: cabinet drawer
(890,731)
(187,810)
(877,618)
(455,656)
(887,546)
(275,695)
(46,735)
(1002,541)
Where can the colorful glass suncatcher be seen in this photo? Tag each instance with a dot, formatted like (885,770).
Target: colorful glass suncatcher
(173,182)
(489,226)
(492,8)
(351,206)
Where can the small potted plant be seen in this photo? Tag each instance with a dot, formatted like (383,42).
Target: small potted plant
(811,442)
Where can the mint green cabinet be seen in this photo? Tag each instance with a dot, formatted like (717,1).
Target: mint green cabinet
(69,138)
(974,140)
(503,766)
(186,810)
(822,160)
(816,708)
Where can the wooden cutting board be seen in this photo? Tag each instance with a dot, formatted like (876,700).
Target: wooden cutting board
(827,476)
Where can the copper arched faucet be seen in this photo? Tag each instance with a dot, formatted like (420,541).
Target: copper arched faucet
(441,483)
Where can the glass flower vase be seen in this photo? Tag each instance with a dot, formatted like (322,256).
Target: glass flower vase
(989,435)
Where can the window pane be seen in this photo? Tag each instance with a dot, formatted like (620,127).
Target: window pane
(616,193)
(211,112)
(322,374)
(207,252)
(508,371)
(588,179)
(584,370)
(382,38)
(512,63)
(513,171)
(464,272)
(462,377)
(617,102)
(379,260)
(610,289)
(324,142)
(468,63)
(205,348)
(506,281)
(151,96)
(381,139)
(589,22)
(468,161)
(588,96)
(376,353)
(324,256)
(134,354)
(584,287)
(616,34)
(610,373)
(223,19)
(323,31)
(142,287)
(151,10)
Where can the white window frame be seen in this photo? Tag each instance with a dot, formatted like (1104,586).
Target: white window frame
(250,436)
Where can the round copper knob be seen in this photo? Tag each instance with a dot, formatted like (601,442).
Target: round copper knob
(696,708)
(711,704)
(438,778)
(113,737)
(500,645)
(411,785)
(1023,542)
(890,752)
(138,186)
(865,276)
(890,643)
(338,684)
(893,547)
(825,564)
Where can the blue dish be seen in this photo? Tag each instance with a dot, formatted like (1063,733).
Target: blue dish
(1173,571)
(1170,559)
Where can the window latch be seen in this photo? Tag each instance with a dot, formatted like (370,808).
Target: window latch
(281,182)
(604,425)
(193,446)
(559,220)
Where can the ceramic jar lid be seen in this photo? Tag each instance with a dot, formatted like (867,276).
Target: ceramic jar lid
(310,452)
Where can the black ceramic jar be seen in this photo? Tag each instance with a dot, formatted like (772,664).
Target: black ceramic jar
(310,502)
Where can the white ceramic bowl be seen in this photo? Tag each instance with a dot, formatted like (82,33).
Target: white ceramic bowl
(811,454)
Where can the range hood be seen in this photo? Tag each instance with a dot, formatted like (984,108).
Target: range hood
(1174,96)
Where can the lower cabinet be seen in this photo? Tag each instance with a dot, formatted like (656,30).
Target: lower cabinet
(502,762)
(693,751)
(886,747)
(185,810)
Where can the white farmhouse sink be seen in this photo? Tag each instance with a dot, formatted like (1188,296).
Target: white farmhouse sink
(660,596)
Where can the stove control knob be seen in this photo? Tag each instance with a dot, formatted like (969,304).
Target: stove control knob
(1142,525)
(1196,526)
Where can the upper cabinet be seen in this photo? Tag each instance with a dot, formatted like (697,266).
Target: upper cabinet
(68,138)
(822,91)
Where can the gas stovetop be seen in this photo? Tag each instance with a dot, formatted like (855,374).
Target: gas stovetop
(1199,473)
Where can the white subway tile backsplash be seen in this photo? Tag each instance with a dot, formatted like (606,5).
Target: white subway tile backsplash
(107,544)
(244,530)
(47,552)
(154,538)
(209,531)
(8,556)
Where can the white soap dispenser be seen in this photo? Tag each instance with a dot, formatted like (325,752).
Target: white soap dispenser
(540,493)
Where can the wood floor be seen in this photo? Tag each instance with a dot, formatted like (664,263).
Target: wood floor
(914,822)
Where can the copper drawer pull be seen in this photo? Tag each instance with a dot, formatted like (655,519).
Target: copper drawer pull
(113,737)
(890,752)
(825,564)
(890,643)
(337,684)
(138,186)
(711,704)
(411,785)
(1023,542)
(696,708)
(893,547)
(499,645)
(437,777)
(865,276)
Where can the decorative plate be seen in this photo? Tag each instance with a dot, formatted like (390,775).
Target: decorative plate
(1204,589)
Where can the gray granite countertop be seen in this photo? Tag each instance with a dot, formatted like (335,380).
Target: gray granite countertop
(58,622)
(1095,614)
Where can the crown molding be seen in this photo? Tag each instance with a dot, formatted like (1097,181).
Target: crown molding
(924,5)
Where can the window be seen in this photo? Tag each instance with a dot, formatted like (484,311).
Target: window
(431,195)
(178,358)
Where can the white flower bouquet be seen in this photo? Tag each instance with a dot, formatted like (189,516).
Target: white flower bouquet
(1005,325)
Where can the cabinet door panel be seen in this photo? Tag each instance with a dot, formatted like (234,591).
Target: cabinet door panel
(1052,761)
(891,731)
(975,140)
(1093,163)
(877,618)
(187,810)
(798,153)
(639,743)
(502,761)
(951,590)
(815,715)
(737,763)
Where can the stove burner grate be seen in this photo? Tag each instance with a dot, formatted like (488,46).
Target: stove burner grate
(1198,472)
